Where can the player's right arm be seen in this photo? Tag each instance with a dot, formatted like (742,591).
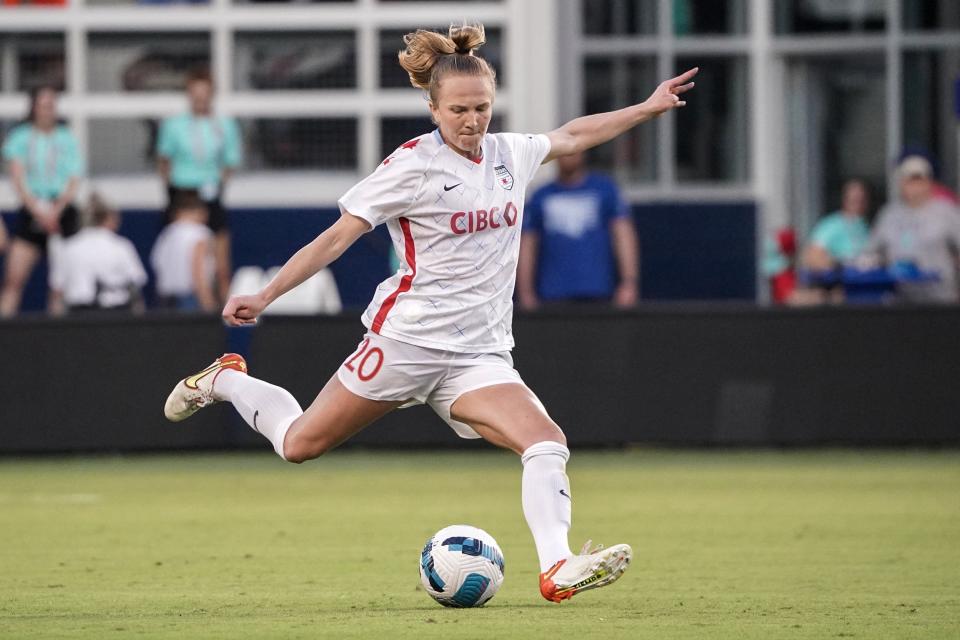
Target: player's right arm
(590,131)
(324,249)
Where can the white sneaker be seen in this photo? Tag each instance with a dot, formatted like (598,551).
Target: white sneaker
(195,392)
(588,570)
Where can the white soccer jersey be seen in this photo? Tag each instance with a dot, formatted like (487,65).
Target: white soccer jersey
(455,225)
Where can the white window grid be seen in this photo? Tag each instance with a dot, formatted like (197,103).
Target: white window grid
(542,92)
(764,51)
(223,19)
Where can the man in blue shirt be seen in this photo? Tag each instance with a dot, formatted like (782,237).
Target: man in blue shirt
(578,242)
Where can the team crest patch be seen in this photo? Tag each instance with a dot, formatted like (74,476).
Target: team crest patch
(504,177)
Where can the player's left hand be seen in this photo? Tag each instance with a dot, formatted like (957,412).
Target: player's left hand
(667,95)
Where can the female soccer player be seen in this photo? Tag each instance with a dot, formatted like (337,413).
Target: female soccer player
(439,330)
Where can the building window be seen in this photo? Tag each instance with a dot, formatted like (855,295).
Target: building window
(931,15)
(30,60)
(825,16)
(930,80)
(118,62)
(713,17)
(614,82)
(836,114)
(711,140)
(619,17)
(300,143)
(265,61)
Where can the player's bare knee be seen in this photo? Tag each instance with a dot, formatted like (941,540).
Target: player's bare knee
(298,449)
(554,434)
(296,453)
(559,437)
(550,431)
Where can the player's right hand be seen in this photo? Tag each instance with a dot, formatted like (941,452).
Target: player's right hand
(667,95)
(243,310)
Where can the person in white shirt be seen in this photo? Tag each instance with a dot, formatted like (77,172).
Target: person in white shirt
(439,330)
(97,268)
(182,258)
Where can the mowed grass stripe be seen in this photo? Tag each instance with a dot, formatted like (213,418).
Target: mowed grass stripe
(728,545)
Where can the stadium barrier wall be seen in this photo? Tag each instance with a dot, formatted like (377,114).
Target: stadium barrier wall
(708,375)
(689,251)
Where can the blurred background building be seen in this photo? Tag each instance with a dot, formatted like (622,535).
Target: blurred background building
(794,97)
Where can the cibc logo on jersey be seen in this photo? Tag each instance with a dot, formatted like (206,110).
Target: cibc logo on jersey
(482,219)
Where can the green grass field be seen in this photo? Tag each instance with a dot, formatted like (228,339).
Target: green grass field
(727,545)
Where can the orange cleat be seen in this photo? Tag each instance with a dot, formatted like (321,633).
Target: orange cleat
(588,570)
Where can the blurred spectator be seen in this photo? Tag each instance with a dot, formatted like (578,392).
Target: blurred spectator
(939,191)
(183,259)
(839,237)
(97,268)
(918,232)
(779,265)
(198,151)
(578,242)
(45,168)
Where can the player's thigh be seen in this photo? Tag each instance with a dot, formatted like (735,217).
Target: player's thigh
(507,415)
(21,260)
(334,416)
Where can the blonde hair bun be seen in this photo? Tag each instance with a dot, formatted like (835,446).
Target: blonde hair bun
(429,55)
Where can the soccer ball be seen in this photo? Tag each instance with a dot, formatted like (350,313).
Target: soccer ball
(461,566)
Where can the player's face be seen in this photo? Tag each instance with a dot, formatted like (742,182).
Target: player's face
(45,109)
(462,110)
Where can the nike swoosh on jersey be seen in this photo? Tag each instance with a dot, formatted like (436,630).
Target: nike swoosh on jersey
(446,188)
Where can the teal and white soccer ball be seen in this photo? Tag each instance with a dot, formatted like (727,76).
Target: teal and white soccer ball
(461,566)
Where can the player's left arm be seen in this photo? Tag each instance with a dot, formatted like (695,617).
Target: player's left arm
(587,132)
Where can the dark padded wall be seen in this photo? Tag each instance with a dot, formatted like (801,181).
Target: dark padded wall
(713,375)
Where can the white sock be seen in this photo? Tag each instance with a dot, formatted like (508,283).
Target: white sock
(546,500)
(267,408)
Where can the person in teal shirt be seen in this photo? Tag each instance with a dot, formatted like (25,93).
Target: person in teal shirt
(839,237)
(197,152)
(45,166)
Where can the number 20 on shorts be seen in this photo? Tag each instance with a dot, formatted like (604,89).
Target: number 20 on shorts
(365,370)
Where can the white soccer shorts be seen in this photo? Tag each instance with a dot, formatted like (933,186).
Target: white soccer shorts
(385,369)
